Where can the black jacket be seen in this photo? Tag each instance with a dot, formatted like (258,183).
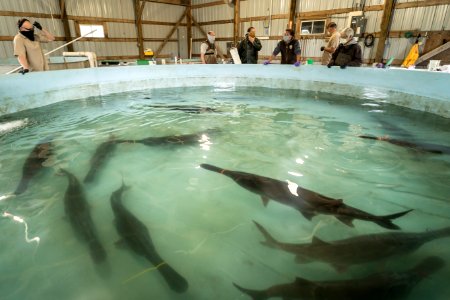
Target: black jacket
(347,55)
(289,51)
(248,52)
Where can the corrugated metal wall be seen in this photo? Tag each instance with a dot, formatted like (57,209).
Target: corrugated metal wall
(124,28)
(430,18)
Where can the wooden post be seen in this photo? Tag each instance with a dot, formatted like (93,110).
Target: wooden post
(292,14)
(237,21)
(65,20)
(139,9)
(171,32)
(189,28)
(388,10)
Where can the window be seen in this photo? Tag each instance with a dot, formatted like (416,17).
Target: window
(87,28)
(313,27)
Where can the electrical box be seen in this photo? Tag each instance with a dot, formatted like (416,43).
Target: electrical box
(358,24)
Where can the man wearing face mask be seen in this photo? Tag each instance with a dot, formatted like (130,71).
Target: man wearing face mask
(248,48)
(208,52)
(332,44)
(289,48)
(347,54)
(27,46)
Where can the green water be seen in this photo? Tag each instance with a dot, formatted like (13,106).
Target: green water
(200,221)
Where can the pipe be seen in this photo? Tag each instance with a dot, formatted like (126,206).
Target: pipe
(73,41)
(92,57)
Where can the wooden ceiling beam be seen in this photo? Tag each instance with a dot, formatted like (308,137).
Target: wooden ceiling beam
(173,2)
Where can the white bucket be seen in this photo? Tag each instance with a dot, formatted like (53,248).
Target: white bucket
(433,65)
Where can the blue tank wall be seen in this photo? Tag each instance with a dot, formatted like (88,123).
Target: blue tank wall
(421,90)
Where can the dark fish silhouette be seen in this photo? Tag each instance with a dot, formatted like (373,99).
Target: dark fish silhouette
(356,250)
(186,139)
(421,147)
(33,164)
(386,285)
(77,210)
(98,160)
(136,236)
(307,202)
(190,109)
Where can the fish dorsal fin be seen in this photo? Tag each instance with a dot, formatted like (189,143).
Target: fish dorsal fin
(318,242)
(265,200)
(346,220)
(301,281)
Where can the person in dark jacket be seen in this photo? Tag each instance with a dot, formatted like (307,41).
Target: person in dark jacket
(289,48)
(348,54)
(248,48)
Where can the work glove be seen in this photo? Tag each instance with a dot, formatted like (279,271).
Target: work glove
(297,64)
(37,25)
(343,67)
(266,62)
(23,71)
(322,48)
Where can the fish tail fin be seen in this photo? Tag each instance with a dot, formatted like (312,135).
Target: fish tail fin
(270,241)
(212,168)
(22,187)
(255,295)
(89,177)
(386,221)
(98,253)
(176,282)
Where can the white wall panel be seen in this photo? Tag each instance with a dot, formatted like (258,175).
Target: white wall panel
(340,20)
(6,49)
(157,31)
(213,13)
(317,5)
(373,21)
(421,18)
(221,31)
(101,8)
(37,6)
(162,12)
(171,48)
(253,8)
(374,2)
(121,30)
(108,49)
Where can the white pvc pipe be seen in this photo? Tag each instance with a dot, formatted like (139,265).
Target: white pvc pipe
(90,55)
(73,41)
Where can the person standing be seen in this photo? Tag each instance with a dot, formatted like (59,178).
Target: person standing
(208,52)
(348,54)
(27,46)
(248,48)
(289,48)
(332,44)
